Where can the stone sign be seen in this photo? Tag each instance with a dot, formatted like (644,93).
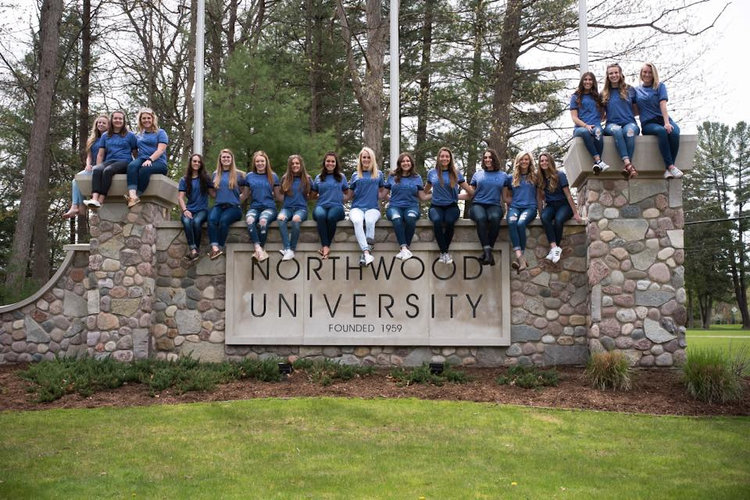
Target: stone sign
(418,302)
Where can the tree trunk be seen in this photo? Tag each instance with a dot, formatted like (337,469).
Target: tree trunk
(187,137)
(84,81)
(51,14)
(40,257)
(510,47)
(314,54)
(476,77)
(425,66)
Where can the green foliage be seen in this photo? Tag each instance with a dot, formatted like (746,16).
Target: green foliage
(608,370)
(529,377)
(423,375)
(325,371)
(713,376)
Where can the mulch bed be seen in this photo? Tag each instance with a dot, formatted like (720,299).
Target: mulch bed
(658,392)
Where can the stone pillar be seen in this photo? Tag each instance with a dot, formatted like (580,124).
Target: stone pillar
(122,270)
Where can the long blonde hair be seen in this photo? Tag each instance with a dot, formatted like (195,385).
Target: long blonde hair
(287,181)
(95,134)
(654,73)
(154,122)
(550,173)
(374,172)
(622,86)
(532,175)
(269,171)
(232,170)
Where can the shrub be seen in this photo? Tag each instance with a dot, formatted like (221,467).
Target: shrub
(712,376)
(529,377)
(325,371)
(608,370)
(423,375)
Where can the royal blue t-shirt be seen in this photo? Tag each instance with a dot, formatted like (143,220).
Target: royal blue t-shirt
(226,195)
(648,100)
(261,191)
(147,144)
(330,191)
(557,195)
(94,150)
(524,196)
(619,110)
(587,112)
(366,190)
(443,196)
(405,193)
(296,200)
(489,186)
(196,201)
(117,147)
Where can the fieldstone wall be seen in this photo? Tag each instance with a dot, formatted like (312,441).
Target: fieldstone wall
(635,256)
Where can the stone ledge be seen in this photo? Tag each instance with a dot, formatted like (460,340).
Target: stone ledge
(646,158)
(382,223)
(161,189)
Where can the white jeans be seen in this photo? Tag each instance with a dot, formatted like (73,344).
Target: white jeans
(362,232)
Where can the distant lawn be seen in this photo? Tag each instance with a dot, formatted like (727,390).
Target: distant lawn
(719,330)
(727,338)
(351,448)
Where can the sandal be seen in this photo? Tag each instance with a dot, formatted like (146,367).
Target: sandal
(215,254)
(629,172)
(325,253)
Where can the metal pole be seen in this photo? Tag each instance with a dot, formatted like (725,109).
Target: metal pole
(199,70)
(395,101)
(583,36)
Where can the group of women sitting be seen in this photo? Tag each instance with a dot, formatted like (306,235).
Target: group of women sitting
(490,189)
(617,106)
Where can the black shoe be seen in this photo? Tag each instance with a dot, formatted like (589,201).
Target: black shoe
(362,261)
(489,259)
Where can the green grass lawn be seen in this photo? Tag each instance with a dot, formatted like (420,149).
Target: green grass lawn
(351,448)
(727,338)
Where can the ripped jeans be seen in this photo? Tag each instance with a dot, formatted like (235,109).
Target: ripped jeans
(258,222)
(624,138)
(518,219)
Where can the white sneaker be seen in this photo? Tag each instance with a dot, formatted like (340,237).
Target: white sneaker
(400,255)
(92,203)
(448,258)
(556,254)
(603,166)
(369,259)
(673,172)
(288,254)
(406,254)
(550,254)
(282,251)
(596,169)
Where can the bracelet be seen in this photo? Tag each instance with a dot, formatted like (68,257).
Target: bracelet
(184,210)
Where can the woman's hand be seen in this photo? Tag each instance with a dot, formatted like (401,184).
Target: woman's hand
(145,161)
(187,213)
(668,127)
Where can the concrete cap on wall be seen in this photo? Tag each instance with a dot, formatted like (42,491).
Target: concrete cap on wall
(161,189)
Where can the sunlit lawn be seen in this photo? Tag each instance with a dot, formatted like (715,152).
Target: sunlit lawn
(351,448)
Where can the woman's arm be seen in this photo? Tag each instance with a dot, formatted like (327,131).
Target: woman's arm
(665,115)
(423,195)
(100,156)
(572,203)
(160,149)
(466,187)
(183,205)
(578,122)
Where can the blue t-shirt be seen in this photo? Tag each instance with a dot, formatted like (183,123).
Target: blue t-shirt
(196,201)
(118,147)
(489,186)
(94,150)
(330,191)
(557,195)
(148,142)
(261,191)
(226,195)
(296,200)
(619,110)
(405,193)
(648,100)
(445,195)
(524,196)
(587,112)
(366,190)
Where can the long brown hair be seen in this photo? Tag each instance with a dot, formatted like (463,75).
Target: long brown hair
(622,87)
(288,179)
(594,92)
(550,174)
(532,175)
(452,172)
(205,180)
(124,130)
(398,173)
(232,170)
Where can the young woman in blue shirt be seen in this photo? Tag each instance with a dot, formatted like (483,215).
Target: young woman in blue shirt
(332,190)
(444,183)
(586,111)
(368,188)
(487,206)
(152,155)
(618,99)
(405,191)
(263,185)
(651,99)
(525,197)
(558,205)
(230,187)
(117,148)
(92,150)
(192,196)
(295,188)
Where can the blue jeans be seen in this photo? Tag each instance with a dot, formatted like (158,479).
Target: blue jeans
(193,228)
(624,138)
(326,219)
(443,223)
(284,226)
(518,219)
(554,216)
(77,196)
(138,175)
(258,228)
(404,222)
(594,142)
(221,217)
(488,219)
(103,173)
(669,144)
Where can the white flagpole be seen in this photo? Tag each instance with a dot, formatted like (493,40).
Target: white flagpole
(199,71)
(395,106)
(583,36)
